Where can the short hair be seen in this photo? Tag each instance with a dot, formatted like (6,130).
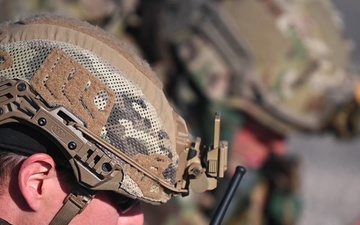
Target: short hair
(9,162)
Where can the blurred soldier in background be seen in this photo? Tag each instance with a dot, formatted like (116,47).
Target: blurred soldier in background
(272,67)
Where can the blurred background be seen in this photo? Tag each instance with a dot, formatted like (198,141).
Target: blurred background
(349,11)
(283,73)
(330,183)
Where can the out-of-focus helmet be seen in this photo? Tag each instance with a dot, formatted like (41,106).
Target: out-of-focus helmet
(284,63)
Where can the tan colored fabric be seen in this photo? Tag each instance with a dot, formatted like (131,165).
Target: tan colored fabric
(118,54)
(74,95)
(111,90)
(7,60)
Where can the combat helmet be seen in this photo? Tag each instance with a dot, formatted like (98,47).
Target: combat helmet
(285,63)
(104,109)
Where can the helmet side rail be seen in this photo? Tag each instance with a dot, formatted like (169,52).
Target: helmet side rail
(97,164)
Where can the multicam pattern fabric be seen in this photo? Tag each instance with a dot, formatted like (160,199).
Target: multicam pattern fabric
(297,55)
(208,69)
(133,125)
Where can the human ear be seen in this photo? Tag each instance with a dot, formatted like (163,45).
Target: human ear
(35,175)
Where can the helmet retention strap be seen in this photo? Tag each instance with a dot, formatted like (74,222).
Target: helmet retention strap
(74,204)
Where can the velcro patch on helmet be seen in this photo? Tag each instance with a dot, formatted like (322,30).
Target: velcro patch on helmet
(155,163)
(5,60)
(61,80)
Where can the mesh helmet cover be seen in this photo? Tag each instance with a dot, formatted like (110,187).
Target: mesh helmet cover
(72,64)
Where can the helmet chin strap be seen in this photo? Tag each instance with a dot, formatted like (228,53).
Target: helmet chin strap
(74,204)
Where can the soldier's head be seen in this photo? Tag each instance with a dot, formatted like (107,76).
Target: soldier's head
(83,123)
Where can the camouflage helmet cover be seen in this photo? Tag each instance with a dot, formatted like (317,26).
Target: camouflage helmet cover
(116,100)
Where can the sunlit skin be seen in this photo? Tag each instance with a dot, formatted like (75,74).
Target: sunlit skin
(36,193)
